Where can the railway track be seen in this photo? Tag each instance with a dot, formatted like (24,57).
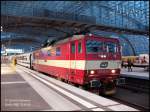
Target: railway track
(132,104)
(134,88)
(135,84)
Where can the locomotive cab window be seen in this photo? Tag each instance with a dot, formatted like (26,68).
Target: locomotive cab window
(79,47)
(58,52)
(111,47)
(93,46)
(72,47)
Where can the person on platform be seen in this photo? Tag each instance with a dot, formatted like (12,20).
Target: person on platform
(15,61)
(129,65)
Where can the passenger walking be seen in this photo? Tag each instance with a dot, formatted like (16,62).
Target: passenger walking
(129,65)
(122,64)
(15,61)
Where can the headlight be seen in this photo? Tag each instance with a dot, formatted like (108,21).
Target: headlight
(104,56)
(113,71)
(92,72)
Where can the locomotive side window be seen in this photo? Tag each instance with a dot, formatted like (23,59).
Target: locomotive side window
(49,53)
(79,47)
(72,48)
(58,51)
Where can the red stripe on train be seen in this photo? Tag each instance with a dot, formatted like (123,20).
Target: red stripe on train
(76,75)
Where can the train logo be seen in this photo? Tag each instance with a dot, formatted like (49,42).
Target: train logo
(104,64)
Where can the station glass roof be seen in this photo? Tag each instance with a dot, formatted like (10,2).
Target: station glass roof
(124,14)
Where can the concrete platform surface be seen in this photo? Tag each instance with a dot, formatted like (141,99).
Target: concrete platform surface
(17,94)
(137,72)
(25,89)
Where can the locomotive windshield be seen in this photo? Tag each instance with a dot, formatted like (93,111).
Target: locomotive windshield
(93,46)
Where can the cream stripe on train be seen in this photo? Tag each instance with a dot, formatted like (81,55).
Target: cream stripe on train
(80,64)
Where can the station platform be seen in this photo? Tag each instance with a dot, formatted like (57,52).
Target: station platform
(25,89)
(139,73)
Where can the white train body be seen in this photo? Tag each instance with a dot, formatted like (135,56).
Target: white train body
(24,60)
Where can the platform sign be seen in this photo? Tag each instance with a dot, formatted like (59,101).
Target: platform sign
(14,50)
(3,53)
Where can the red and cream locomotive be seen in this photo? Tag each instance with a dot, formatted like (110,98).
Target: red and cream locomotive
(87,60)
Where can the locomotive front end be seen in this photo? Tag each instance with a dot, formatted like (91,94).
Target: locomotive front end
(103,79)
(103,63)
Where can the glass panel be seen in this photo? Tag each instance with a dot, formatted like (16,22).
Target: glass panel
(111,47)
(93,46)
(58,51)
(72,48)
(79,47)
(49,53)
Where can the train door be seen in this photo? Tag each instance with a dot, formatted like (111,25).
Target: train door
(72,59)
(31,61)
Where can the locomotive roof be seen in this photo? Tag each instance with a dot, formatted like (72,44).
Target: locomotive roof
(75,37)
